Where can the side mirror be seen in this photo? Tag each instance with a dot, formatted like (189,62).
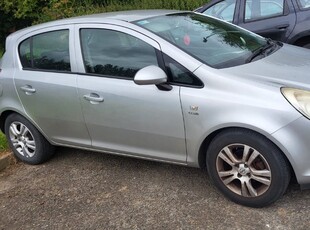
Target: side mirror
(150,75)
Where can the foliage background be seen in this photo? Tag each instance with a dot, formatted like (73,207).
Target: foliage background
(17,14)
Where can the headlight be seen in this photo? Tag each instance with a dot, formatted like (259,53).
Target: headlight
(298,98)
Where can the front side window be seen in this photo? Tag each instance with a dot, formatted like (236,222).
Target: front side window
(223,10)
(47,51)
(304,4)
(258,9)
(179,74)
(216,43)
(112,53)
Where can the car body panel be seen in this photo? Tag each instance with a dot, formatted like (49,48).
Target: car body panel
(293,140)
(220,89)
(134,119)
(278,68)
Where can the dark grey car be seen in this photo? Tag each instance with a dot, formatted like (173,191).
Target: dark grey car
(284,20)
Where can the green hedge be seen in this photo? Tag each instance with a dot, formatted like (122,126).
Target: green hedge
(62,9)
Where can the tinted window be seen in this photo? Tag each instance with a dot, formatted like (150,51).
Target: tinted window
(223,10)
(25,54)
(113,53)
(48,51)
(304,4)
(179,74)
(256,9)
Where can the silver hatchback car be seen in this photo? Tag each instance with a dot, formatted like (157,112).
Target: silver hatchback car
(169,86)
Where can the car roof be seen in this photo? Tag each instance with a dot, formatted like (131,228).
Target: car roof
(129,16)
(112,17)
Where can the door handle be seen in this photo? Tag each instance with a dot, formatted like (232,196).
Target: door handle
(93,98)
(283,27)
(28,89)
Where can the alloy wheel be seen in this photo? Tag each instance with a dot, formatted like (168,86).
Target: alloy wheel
(243,170)
(22,139)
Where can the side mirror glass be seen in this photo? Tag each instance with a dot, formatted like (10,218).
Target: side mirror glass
(150,75)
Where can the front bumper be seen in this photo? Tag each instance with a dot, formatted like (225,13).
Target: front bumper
(294,141)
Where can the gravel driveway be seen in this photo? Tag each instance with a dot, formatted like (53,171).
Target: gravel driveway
(86,190)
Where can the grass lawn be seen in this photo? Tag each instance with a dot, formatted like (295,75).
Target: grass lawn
(4,147)
(3,143)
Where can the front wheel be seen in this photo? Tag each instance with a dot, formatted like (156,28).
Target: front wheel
(247,168)
(306,46)
(26,141)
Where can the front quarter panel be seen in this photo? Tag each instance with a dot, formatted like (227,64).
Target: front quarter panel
(228,101)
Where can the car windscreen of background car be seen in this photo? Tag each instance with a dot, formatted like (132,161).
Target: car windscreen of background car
(214,42)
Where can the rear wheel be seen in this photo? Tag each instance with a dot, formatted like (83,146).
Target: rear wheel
(247,168)
(26,141)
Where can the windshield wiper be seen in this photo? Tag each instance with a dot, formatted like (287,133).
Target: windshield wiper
(262,50)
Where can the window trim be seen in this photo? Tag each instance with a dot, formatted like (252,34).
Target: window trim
(31,53)
(48,71)
(285,13)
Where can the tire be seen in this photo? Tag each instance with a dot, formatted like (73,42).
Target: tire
(26,141)
(247,168)
(303,43)
(306,46)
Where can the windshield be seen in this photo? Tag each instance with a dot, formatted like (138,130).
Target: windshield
(214,42)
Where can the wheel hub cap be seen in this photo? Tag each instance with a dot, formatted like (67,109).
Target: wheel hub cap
(243,170)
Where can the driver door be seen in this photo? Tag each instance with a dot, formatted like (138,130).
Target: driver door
(123,117)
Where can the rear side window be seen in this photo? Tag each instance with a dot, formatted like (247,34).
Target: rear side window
(25,54)
(259,9)
(116,54)
(47,51)
(304,4)
(224,10)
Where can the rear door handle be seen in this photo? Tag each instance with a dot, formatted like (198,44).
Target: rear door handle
(28,89)
(93,98)
(283,27)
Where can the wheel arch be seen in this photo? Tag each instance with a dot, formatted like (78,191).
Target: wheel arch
(8,112)
(206,143)
(299,38)
(4,116)
(302,41)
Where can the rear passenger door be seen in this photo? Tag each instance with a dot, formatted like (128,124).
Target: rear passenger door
(46,84)
(273,19)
